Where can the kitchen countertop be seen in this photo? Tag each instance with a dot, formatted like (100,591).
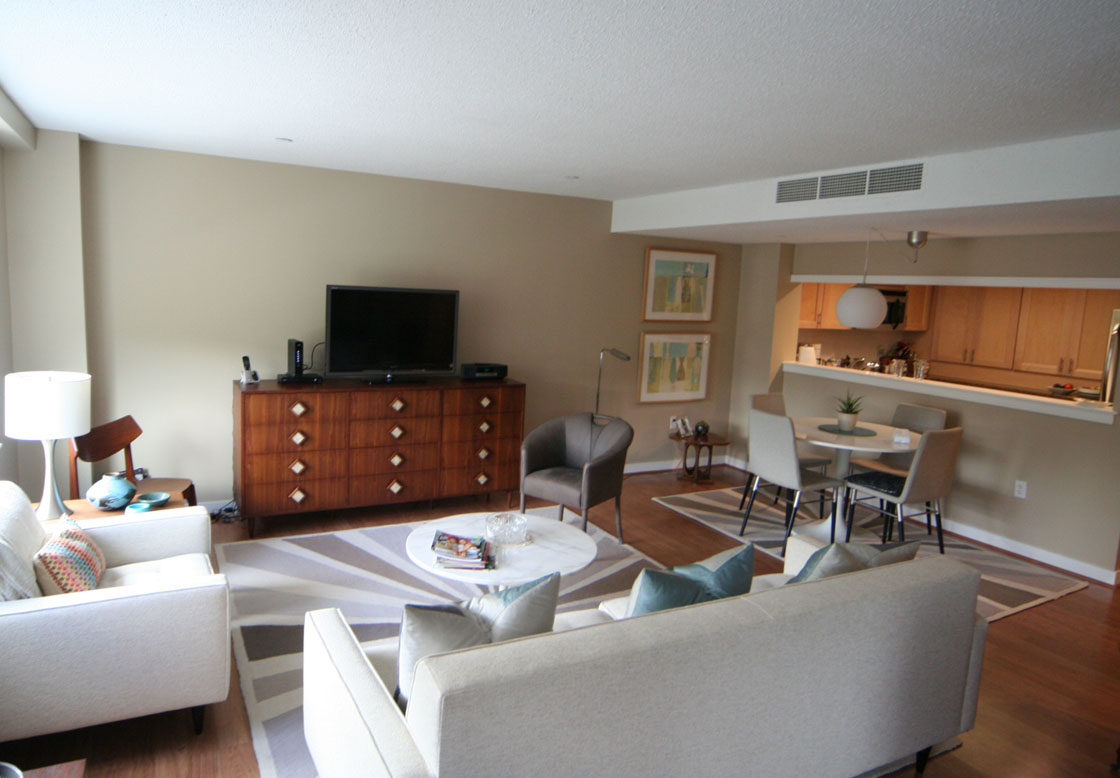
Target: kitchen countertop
(1052,406)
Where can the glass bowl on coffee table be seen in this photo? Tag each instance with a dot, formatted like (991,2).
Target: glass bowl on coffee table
(551,546)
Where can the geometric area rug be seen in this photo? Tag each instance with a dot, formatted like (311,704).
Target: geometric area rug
(366,573)
(1007,584)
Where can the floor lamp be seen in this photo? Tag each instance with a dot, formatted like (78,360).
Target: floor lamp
(47,405)
(617,355)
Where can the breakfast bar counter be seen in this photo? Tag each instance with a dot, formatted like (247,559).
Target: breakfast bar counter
(1082,410)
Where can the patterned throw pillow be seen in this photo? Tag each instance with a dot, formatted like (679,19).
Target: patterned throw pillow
(69,562)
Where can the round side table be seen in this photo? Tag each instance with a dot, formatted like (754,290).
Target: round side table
(700,474)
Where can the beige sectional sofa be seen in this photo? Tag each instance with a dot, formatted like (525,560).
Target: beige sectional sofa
(829,678)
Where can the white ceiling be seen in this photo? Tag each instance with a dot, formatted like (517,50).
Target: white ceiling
(608,99)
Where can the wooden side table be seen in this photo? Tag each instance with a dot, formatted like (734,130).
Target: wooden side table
(700,474)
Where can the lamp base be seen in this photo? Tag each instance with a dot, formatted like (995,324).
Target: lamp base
(51,506)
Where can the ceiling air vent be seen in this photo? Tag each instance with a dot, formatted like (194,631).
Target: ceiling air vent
(844,184)
(902,178)
(797,189)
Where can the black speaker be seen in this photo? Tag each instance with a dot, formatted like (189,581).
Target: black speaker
(473,371)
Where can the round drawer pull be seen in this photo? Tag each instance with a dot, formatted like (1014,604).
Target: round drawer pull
(395,486)
(298,466)
(483,453)
(397,405)
(396,460)
(298,438)
(298,409)
(297,495)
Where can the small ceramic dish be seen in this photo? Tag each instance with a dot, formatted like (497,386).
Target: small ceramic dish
(153,499)
(137,507)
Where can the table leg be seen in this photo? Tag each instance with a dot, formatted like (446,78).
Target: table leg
(840,470)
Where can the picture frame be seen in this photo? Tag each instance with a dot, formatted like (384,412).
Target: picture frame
(679,285)
(674,366)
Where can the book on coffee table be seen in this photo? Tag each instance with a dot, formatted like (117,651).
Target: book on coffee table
(462,552)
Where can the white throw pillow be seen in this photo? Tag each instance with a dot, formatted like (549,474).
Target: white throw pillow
(21,536)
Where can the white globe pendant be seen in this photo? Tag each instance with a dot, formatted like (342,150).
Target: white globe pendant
(861,307)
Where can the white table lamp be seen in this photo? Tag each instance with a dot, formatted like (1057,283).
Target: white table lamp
(47,405)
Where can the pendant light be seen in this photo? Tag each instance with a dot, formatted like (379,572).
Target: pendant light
(862,307)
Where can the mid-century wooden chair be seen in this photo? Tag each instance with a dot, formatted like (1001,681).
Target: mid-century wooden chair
(107,439)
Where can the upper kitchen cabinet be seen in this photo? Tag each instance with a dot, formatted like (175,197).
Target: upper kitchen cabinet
(818,306)
(976,325)
(1063,332)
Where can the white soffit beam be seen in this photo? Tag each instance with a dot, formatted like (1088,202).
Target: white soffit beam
(1064,169)
(16,132)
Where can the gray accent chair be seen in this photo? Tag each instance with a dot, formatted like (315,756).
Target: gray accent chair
(576,461)
(929,479)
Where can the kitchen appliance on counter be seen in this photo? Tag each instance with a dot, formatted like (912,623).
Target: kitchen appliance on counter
(1112,356)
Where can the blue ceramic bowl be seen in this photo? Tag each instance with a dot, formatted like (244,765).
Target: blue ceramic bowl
(153,499)
(137,507)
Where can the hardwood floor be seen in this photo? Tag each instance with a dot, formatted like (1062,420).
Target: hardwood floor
(1049,700)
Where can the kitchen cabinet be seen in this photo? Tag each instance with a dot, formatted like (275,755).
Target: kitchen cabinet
(976,325)
(1063,332)
(818,306)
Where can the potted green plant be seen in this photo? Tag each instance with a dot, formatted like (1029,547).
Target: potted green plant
(847,411)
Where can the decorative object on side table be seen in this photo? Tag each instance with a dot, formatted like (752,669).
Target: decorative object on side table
(701,430)
(111,493)
(47,405)
(847,411)
(507,529)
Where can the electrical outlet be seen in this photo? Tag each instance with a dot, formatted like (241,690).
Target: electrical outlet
(1021,490)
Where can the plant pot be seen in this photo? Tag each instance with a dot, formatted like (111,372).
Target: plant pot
(846,421)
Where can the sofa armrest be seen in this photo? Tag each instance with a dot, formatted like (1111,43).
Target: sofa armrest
(142,537)
(72,660)
(975,665)
(350,721)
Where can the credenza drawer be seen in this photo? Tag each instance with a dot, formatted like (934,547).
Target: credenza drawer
(483,399)
(403,404)
(304,407)
(477,480)
(295,436)
(394,459)
(393,487)
(314,495)
(482,426)
(470,453)
(386,432)
(295,467)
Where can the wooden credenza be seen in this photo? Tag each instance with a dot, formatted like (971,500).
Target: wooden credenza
(346,444)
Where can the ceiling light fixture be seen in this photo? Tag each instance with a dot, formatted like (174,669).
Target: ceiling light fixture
(862,307)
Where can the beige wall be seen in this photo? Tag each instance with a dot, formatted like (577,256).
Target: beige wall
(193,261)
(1092,255)
(8,469)
(43,215)
(1071,516)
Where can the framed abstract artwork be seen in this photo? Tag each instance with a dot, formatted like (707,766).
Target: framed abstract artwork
(674,366)
(679,285)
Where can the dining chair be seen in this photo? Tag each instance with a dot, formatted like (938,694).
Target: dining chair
(774,402)
(916,418)
(772,457)
(578,461)
(105,440)
(928,480)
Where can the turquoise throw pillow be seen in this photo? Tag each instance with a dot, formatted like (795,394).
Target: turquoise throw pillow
(727,574)
(657,590)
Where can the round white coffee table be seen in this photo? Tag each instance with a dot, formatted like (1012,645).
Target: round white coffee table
(554,547)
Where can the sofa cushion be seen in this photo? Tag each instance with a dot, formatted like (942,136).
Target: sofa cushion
(876,555)
(69,562)
(727,574)
(182,568)
(831,560)
(518,611)
(21,535)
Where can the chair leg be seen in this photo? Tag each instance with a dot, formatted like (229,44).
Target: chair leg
(746,488)
(929,527)
(189,495)
(754,490)
(618,516)
(832,536)
(940,537)
(791,514)
(583,515)
(521,505)
(921,760)
(198,714)
(850,510)
(901,523)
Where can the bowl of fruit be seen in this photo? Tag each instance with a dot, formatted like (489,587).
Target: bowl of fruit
(1061,390)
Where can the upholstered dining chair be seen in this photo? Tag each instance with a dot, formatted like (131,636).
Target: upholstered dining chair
(772,456)
(774,402)
(576,461)
(107,439)
(916,418)
(929,479)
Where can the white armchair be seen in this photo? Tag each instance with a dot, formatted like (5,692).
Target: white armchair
(154,636)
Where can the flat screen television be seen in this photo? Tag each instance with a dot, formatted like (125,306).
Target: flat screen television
(384,335)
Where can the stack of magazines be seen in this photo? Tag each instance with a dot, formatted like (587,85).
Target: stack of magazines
(456,552)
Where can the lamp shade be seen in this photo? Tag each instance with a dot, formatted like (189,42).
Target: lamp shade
(861,307)
(46,405)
